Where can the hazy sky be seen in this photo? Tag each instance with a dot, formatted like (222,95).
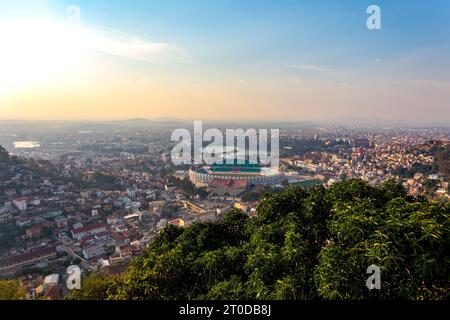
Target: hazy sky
(233,60)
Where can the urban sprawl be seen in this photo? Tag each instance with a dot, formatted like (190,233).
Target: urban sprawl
(96,196)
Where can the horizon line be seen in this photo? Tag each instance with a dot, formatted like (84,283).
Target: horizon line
(347,122)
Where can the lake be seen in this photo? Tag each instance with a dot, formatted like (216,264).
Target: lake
(26,144)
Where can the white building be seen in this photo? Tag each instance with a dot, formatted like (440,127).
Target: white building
(93,251)
(90,230)
(20,204)
(51,280)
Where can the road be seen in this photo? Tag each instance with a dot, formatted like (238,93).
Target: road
(69,250)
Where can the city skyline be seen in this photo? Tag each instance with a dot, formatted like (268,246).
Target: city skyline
(258,60)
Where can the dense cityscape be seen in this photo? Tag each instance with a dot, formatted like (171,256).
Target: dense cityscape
(228,159)
(96,194)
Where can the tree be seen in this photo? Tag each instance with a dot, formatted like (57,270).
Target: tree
(11,290)
(93,287)
(303,244)
(407,240)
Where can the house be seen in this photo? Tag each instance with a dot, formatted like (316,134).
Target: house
(125,252)
(51,280)
(5,217)
(103,236)
(89,230)
(77,225)
(54,293)
(93,251)
(35,202)
(23,221)
(69,209)
(177,222)
(133,216)
(53,214)
(115,259)
(155,205)
(112,220)
(441,192)
(180,174)
(62,222)
(10,192)
(85,194)
(20,203)
(9,266)
(34,232)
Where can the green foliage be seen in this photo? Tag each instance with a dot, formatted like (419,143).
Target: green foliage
(8,234)
(188,187)
(304,244)
(430,185)
(258,193)
(250,196)
(100,180)
(94,287)
(424,169)
(11,290)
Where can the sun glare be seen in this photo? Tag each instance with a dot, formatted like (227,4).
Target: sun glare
(34,53)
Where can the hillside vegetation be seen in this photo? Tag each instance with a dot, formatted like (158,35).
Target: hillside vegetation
(314,244)
(4,155)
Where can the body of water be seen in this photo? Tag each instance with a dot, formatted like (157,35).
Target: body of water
(26,144)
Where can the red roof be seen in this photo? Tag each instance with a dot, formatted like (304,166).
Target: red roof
(41,252)
(54,293)
(103,234)
(89,228)
(230,183)
(219,183)
(23,219)
(175,222)
(240,183)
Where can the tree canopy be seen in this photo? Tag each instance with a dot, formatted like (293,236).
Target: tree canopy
(11,290)
(303,244)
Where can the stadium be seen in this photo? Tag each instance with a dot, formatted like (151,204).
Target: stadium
(233,178)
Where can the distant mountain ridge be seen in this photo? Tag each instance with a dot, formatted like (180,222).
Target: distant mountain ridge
(146,122)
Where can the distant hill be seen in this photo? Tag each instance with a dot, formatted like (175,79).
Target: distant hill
(4,155)
(142,122)
(37,167)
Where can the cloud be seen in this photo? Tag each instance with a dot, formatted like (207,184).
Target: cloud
(116,43)
(310,67)
(36,52)
(54,38)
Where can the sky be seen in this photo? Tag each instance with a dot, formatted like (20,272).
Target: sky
(225,60)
